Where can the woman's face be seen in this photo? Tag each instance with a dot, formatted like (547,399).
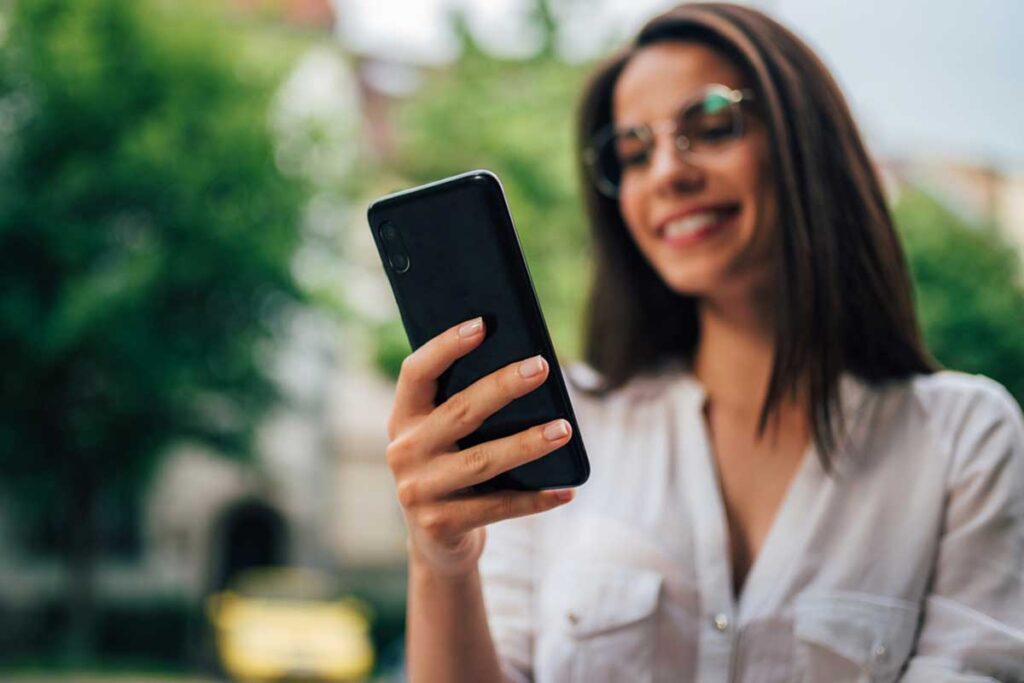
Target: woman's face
(731,251)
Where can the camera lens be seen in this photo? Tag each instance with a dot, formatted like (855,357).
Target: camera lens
(392,248)
(400,262)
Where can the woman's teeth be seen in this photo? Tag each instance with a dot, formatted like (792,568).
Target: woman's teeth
(692,223)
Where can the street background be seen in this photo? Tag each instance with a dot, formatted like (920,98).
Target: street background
(197,337)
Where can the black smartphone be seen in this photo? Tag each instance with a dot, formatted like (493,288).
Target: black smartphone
(451,253)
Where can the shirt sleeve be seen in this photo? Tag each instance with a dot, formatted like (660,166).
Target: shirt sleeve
(972,628)
(506,573)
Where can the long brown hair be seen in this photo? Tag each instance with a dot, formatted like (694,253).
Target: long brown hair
(843,286)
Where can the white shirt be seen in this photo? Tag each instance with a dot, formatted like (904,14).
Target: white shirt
(907,563)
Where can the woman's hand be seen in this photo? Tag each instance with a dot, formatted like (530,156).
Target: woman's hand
(432,475)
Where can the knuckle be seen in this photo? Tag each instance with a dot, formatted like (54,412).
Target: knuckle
(507,506)
(530,442)
(408,493)
(459,410)
(409,367)
(475,460)
(400,450)
(508,383)
(392,427)
(392,456)
(435,523)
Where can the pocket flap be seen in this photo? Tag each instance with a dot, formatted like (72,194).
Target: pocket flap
(874,632)
(600,598)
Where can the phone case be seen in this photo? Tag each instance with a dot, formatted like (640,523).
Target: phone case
(463,259)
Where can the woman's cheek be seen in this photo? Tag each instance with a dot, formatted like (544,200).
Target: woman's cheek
(632,216)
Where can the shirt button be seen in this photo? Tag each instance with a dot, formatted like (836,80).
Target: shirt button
(721,622)
(572,618)
(878,652)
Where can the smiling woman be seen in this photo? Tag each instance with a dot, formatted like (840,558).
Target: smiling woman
(784,486)
(836,273)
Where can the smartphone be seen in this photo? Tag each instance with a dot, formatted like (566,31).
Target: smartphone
(451,253)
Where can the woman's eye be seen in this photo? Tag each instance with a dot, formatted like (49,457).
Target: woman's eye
(637,158)
(631,151)
(715,134)
(701,126)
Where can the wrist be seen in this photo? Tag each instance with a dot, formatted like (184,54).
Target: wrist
(450,570)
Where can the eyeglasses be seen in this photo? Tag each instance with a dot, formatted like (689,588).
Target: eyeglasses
(704,125)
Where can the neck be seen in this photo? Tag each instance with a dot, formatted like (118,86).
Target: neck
(736,351)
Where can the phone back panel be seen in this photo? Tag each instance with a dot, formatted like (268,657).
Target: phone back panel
(465,261)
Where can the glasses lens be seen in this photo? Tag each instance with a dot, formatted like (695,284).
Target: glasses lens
(615,152)
(710,122)
(703,127)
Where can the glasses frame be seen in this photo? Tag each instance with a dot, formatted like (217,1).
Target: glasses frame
(591,156)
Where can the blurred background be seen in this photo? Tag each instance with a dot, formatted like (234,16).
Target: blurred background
(197,339)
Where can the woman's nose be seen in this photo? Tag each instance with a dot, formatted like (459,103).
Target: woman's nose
(670,167)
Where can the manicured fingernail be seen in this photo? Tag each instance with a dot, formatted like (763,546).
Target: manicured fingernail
(556,430)
(472,327)
(564,494)
(531,366)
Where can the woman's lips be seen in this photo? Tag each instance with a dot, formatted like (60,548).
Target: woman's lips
(697,228)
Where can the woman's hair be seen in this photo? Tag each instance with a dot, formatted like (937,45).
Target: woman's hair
(843,290)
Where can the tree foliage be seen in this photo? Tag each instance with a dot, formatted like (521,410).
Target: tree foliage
(969,291)
(145,242)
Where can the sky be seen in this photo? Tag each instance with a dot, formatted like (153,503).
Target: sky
(925,78)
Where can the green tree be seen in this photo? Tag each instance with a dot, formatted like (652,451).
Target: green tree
(969,291)
(145,243)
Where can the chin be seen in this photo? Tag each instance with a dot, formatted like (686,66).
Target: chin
(719,283)
(700,278)
(690,284)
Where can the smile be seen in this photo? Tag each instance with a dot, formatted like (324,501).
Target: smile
(694,227)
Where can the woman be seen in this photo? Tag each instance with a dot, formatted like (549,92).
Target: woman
(784,487)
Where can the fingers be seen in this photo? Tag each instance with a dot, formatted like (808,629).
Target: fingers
(465,411)
(453,519)
(430,475)
(417,381)
(453,472)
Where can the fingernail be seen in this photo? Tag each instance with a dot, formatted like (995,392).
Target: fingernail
(531,366)
(472,327)
(556,430)
(564,494)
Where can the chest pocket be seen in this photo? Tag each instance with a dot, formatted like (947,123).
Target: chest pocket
(598,624)
(852,637)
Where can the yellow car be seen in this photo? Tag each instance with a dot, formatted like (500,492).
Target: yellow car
(283,624)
